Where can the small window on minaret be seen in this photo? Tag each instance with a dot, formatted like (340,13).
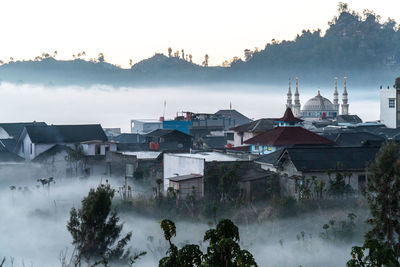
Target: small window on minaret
(392,102)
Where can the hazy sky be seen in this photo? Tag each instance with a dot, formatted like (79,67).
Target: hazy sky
(130,29)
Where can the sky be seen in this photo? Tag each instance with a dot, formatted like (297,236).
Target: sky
(131,29)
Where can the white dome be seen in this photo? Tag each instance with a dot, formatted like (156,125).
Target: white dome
(318,103)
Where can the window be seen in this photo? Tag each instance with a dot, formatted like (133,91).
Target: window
(30,148)
(392,102)
(361,181)
(256,147)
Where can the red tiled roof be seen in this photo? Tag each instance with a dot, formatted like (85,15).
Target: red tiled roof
(289,117)
(281,136)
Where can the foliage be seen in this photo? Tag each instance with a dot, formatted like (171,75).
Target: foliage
(74,157)
(223,250)
(379,254)
(338,187)
(383,195)
(188,256)
(95,229)
(221,182)
(343,230)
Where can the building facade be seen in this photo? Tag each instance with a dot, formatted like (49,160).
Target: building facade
(389,107)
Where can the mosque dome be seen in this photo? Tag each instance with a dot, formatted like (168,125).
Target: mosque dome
(318,103)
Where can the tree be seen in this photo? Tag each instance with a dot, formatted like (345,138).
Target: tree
(183,54)
(383,195)
(397,83)
(205,62)
(95,229)
(74,157)
(100,57)
(248,54)
(224,248)
(378,255)
(169,52)
(190,58)
(188,256)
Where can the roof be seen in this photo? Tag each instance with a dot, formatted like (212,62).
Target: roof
(233,114)
(356,138)
(51,152)
(353,119)
(289,117)
(15,129)
(182,178)
(50,134)
(281,136)
(270,158)
(257,126)
(143,154)
(163,132)
(9,143)
(7,156)
(326,158)
(208,156)
(214,142)
(318,103)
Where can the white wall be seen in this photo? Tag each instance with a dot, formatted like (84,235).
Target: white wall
(181,165)
(388,115)
(237,138)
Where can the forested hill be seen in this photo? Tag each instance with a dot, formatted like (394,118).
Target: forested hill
(354,45)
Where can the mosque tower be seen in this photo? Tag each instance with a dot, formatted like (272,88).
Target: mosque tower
(289,96)
(296,106)
(336,97)
(345,105)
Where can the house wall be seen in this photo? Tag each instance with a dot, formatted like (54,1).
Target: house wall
(187,187)
(261,149)
(388,115)
(237,138)
(180,165)
(118,164)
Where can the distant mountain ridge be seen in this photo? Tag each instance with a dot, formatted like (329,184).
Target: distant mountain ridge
(358,46)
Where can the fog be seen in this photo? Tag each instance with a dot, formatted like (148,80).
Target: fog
(115,107)
(33,227)
(33,219)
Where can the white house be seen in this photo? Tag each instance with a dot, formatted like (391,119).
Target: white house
(35,140)
(388,107)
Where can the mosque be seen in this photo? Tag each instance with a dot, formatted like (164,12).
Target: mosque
(318,107)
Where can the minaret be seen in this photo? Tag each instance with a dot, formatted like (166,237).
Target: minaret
(336,98)
(345,105)
(289,96)
(297,106)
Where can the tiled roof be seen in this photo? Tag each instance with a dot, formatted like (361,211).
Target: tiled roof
(164,132)
(128,138)
(257,126)
(328,158)
(65,133)
(233,114)
(281,136)
(15,129)
(289,117)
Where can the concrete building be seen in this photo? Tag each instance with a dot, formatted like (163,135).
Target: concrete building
(186,185)
(188,164)
(145,126)
(388,107)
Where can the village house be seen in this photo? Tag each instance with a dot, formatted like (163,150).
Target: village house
(242,133)
(287,133)
(320,162)
(35,140)
(167,139)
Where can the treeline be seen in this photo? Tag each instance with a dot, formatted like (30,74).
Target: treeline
(352,41)
(359,46)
